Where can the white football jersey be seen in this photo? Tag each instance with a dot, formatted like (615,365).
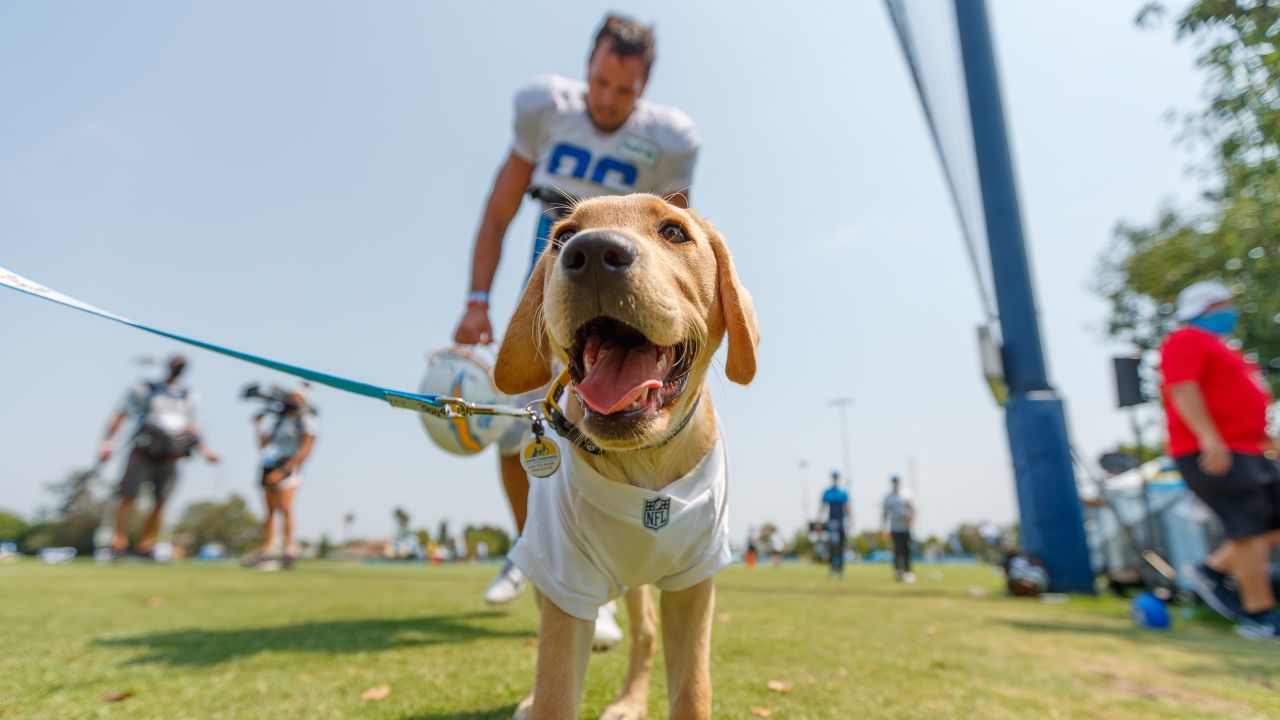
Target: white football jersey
(654,150)
(587,538)
(172,408)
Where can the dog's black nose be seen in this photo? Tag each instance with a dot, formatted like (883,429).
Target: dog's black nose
(593,250)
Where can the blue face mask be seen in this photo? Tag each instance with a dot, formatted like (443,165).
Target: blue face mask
(1218,322)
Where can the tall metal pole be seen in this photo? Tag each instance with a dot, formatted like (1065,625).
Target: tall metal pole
(1051,516)
(842,405)
(804,488)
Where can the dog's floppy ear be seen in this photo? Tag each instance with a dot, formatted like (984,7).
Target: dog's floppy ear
(524,358)
(739,314)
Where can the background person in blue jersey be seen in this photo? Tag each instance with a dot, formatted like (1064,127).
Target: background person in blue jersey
(164,433)
(575,140)
(899,512)
(839,517)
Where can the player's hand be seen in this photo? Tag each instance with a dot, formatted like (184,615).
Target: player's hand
(105,450)
(474,328)
(274,477)
(210,456)
(1215,456)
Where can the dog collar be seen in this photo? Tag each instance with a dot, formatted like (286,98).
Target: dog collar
(570,432)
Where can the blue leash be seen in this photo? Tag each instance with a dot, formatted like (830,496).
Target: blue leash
(437,405)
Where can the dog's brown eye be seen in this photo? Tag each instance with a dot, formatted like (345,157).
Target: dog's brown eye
(564,236)
(672,233)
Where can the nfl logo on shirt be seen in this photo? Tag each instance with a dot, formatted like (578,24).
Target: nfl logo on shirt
(657,512)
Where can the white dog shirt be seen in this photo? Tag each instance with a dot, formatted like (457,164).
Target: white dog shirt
(587,538)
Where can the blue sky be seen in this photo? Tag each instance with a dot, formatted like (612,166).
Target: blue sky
(303,181)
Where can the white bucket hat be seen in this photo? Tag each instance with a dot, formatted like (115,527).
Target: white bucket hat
(1197,297)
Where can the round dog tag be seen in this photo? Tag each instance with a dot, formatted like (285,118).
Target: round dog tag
(540,458)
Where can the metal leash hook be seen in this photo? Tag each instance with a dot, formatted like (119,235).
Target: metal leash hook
(538,418)
(451,408)
(502,410)
(540,458)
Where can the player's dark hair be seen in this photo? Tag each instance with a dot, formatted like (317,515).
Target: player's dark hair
(627,38)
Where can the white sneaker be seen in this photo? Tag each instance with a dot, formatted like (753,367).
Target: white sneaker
(1266,627)
(507,586)
(908,577)
(608,634)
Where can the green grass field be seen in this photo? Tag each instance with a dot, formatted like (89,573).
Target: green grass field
(216,641)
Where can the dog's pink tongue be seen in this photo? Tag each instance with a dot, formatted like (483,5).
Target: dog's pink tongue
(618,376)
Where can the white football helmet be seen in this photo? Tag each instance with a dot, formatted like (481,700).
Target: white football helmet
(466,373)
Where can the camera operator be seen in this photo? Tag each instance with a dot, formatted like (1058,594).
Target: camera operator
(286,440)
(165,432)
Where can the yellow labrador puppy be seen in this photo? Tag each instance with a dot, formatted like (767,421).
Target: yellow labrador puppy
(633,297)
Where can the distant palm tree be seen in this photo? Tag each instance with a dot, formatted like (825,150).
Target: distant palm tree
(347,521)
(402,521)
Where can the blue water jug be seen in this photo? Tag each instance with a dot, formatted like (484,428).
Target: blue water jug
(1150,611)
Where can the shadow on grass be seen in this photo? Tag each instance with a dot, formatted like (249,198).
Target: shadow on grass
(198,647)
(1226,654)
(836,589)
(496,713)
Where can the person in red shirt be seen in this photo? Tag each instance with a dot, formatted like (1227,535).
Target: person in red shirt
(1216,404)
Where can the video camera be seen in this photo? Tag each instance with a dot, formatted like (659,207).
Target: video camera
(275,400)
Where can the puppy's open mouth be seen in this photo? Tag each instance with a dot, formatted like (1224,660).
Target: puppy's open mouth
(618,372)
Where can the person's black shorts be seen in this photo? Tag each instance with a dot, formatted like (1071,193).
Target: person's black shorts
(162,475)
(277,484)
(1246,499)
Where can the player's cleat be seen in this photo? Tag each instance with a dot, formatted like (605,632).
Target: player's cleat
(908,577)
(1215,589)
(507,586)
(608,634)
(1263,626)
(254,560)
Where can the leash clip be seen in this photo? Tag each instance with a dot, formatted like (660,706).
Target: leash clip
(458,408)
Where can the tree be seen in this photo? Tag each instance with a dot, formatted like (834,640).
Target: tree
(442,535)
(933,544)
(1232,239)
(971,540)
(231,523)
(1234,245)
(73,521)
(868,541)
(495,538)
(402,521)
(802,545)
(347,521)
(12,527)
